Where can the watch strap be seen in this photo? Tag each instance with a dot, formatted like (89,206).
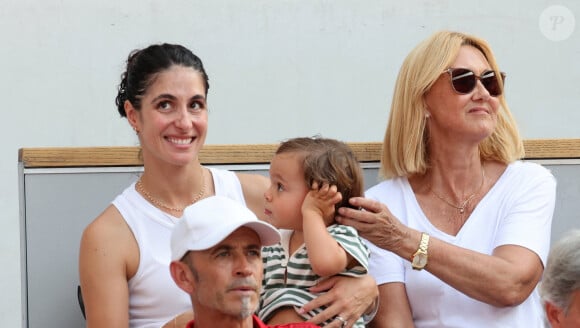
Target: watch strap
(419,258)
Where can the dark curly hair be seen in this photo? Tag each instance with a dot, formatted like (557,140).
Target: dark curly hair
(144,64)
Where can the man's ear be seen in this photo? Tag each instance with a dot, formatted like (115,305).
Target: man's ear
(182,276)
(132,115)
(553,314)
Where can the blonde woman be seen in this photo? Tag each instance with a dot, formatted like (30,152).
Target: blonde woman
(460,227)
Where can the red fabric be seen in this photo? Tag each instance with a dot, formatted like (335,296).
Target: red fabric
(294,325)
(259,324)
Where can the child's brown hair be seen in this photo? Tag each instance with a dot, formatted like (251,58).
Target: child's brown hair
(328,161)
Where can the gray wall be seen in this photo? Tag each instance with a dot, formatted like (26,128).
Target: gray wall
(278,68)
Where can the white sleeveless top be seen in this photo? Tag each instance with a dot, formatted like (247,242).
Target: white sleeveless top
(154,298)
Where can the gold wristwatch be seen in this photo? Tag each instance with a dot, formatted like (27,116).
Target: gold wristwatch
(419,259)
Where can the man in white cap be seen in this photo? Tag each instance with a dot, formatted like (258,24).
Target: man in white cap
(216,258)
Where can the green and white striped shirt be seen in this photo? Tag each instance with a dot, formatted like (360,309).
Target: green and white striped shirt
(287,278)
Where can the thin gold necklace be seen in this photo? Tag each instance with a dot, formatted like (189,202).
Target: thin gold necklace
(159,203)
(463,205)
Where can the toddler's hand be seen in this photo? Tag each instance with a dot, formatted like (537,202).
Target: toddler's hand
(320,201)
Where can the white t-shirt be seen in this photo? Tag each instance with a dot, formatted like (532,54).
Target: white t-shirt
(517,210)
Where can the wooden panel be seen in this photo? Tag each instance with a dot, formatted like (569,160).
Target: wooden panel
(243,154)
(552,148)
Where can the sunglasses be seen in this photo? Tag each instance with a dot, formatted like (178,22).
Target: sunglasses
(463,81)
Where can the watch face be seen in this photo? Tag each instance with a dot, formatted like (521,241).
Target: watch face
(419,260)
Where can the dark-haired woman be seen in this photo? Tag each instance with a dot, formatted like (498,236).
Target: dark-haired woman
(124,252)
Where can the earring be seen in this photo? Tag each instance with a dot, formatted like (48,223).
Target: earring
(427,114)
(136,131)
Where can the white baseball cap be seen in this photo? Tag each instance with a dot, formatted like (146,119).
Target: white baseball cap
(209,221)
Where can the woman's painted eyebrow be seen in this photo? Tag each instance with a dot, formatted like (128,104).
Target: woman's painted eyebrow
(198,97)
(163,96)
(172,97)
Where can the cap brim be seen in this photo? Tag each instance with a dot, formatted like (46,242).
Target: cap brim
(269,235)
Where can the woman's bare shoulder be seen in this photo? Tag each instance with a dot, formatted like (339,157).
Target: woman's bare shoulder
(252,178)
(109,238)
(109,224)
(254,186)
(109,257)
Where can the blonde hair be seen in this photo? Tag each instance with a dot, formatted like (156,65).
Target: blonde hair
(404,149)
